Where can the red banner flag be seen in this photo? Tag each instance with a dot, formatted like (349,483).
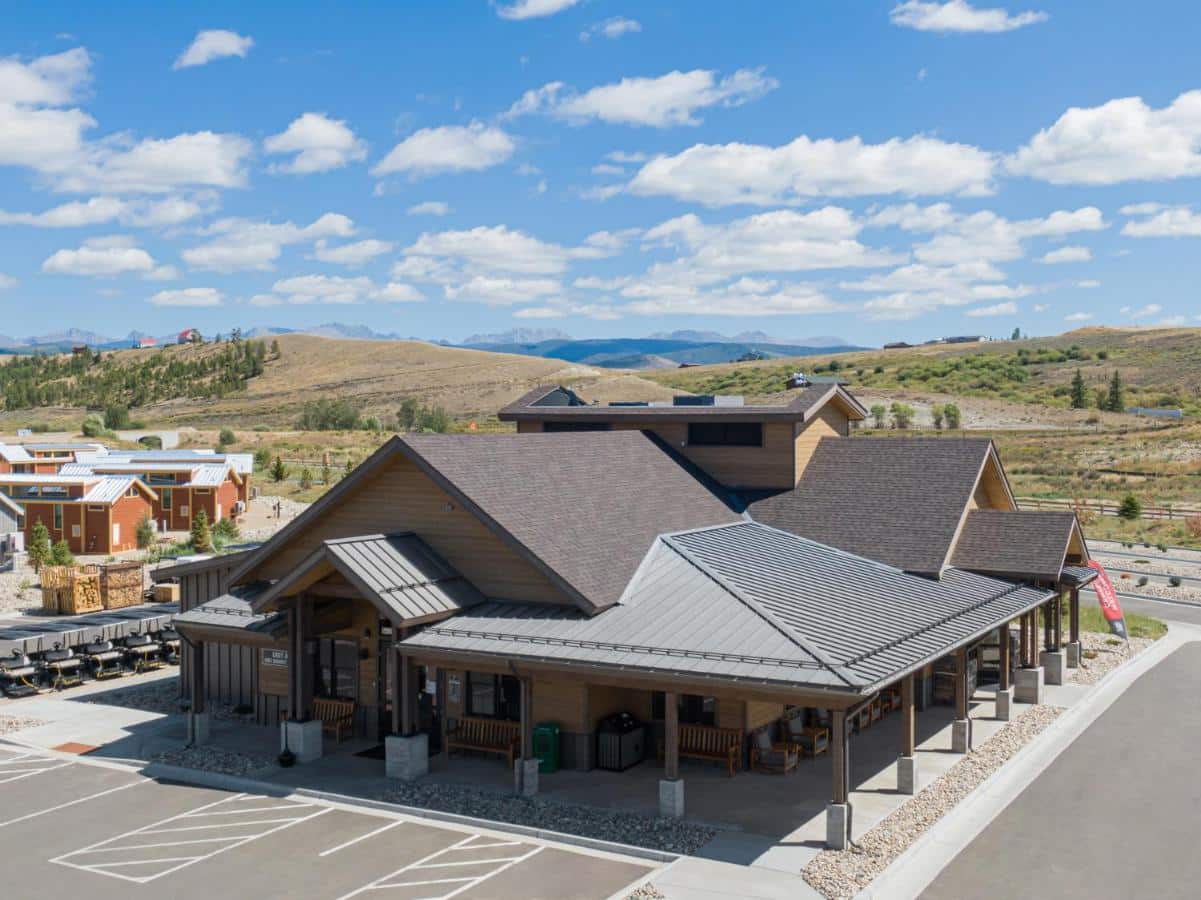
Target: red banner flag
(1107,599)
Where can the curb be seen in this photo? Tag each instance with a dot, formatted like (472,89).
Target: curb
(917,867)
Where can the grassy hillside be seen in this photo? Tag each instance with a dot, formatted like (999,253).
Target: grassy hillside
(1160,367)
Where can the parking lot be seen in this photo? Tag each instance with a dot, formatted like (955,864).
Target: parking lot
(70,828)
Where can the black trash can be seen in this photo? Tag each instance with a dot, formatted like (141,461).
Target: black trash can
(620,742)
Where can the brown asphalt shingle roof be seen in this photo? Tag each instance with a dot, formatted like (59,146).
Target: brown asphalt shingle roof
(587,506)
(1024,544)
(895,500)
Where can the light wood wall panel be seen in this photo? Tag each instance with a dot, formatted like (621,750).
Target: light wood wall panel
(829,422)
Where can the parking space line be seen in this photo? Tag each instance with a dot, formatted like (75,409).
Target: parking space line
(361,837)
(84,858)
(10,775)
(50,809)
(427,863)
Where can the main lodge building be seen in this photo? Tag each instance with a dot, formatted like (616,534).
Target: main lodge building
(751,580)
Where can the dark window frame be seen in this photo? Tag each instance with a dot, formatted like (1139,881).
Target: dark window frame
(725,434)
(505,693)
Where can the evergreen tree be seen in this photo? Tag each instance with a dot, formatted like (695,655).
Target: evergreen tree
(39,546)
(61,555)
(1079,394)
(306,479)
(202,535)
(145,533)
(1131,508)
(1115,402)
(278,470)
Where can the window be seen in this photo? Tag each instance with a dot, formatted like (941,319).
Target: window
(337,668)
(575,426)
(725,434)
(58,517)
(74,531)
(165,494)
(493,696)
(159,478)
(201,490)
(693,709)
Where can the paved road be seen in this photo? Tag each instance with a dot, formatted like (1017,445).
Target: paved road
(1115,816)
(68,829)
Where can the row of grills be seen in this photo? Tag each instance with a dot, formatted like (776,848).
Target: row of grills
(23,674)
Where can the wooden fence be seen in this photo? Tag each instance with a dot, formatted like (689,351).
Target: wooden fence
(1107,507)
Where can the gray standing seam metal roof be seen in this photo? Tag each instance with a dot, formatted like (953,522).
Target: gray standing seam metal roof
(1009,542)
(38,635)
(110,489)
(897,500)
(11,505)
(405,575)
(15,453)
(1078,576)
(233,610)
(749,602)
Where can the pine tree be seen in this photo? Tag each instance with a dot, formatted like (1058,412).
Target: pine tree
(202,535)
(1079,394)
(306,479)
(1115,402)
(39,546)
(61,555)
(278,470)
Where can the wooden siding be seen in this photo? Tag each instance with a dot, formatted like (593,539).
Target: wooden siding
(402,498)
(829,422)
(565,702)
(990,490)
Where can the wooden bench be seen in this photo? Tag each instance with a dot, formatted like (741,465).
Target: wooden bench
(336,715)
(485,735)
(708,742)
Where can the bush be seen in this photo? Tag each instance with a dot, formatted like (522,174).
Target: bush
(937,411)
(61,555)
(145,533)
(1142,580)
(1175,581)
(225,531)
(93,427)
(39,546)
(328,415)
(262,458)
(1130,509)
(116,416)
(952,415)
(202,535)
(371,423)
(902,415)
(227,437)
(434,418)
(306,479)
(878,413)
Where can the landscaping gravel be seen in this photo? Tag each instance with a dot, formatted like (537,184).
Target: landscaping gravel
(13,724)
(843,873)
(18,592)
(1108,651)
(1151,566)
(670,835)
(214,759)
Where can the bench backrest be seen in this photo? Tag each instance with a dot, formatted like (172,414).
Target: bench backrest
(487,731)
(328,709)
(709,739)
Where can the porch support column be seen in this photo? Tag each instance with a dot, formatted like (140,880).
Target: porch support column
(838,831)
(407,698)
(406,751)
(907,779)
(198,716)
(1004,691)
(1073,659)
(1053,659)
(300,735)
(671,787)
(961,728)
(1029,685)
(525,775)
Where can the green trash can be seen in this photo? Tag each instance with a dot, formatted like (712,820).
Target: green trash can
(546,746)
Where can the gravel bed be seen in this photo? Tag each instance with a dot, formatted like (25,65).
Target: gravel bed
(1184,594)
(14,597)
(1151,566)
(214,759)
(13,724)
(290,509)
(157,697)
(655,833)
(647,892)
(1110,652)
(843,873)
(1178,554)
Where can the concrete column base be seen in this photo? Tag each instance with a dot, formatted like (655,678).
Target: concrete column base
(838,837)
(1028,685)
(1073,651)
(1004,704)
(406,756)
(1054,662)
(302,738)
(525,777)
(959,736)
(907,778)
(671,798)
(199,728)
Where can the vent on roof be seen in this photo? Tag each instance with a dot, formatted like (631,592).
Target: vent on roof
(709,400)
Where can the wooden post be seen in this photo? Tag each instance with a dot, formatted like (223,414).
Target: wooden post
(838,755)
(671,736)
(198,691)
(293,662)
(304,688)
(908,719)
(406,699)
(1046,609)
(961,697)
(1023,650)
(527,719)
(1003,655)
(1074,616)
(440,682)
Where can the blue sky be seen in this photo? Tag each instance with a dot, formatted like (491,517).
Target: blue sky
(874,170)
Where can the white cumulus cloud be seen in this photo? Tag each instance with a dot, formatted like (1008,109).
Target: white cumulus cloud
(243,244)
(1007,308)
(354,254)
(960,16)
(1072,254)
(533,9)
(103,257)
(611,28)
(448,149)
(319,144)
(213,44)
(1078,317)
(429,208)
(198,296)
(1160,221)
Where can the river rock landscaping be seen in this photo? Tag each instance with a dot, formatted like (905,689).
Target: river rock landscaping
(1102,653)
(214,759)
(843,873)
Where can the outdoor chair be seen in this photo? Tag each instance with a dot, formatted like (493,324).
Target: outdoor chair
(767,756)
(810,739)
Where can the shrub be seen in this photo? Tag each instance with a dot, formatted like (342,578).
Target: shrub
(39,546)
(878,370)
(116,416)
(434,418)
(1142,580)
(902,415)
(952,415)
(1130,509)
(1193,525)
(279,471)
(145,532)
(227,437)
(1161,547)
(1175,581)
(371,423)
(93,427)
(936,413)
(325,414)
(225,531)
(262,458)
(306,479)
(61,555)
(406,415)
(879,411)
(202,535)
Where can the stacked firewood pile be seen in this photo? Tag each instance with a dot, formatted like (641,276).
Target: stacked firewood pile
(121,584)
(71,590)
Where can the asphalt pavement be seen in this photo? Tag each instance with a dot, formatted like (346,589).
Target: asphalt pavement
(1116,815)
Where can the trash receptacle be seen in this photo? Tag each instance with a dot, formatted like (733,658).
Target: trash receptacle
(620,742)
(546,747)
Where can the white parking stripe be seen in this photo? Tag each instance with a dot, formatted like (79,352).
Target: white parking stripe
(142,854)
(361,837)
(427,863)
(8,775)
(50,809)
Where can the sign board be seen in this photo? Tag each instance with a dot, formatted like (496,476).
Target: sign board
(1107,599)
(275,657)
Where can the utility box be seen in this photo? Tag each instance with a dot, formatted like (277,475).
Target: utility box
(546,747)
(620,742)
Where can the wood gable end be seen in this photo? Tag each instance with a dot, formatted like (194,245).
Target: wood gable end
(391,492)
(990,491)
